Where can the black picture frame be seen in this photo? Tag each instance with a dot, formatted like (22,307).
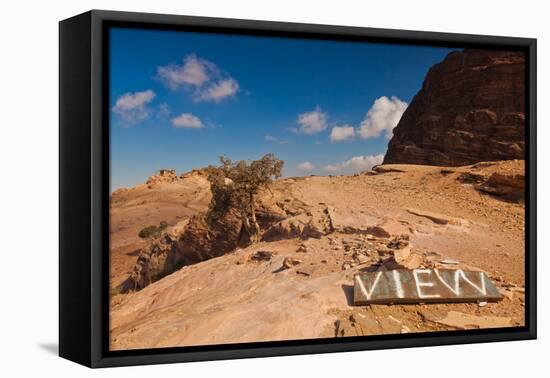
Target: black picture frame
(84,188)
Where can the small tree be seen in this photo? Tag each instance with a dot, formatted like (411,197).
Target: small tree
(234,186)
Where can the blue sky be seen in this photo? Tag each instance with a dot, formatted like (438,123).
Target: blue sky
(179,100)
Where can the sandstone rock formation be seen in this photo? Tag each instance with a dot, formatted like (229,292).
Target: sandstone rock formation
(134,208)
(164,175)
(507,182)
(192,241)
(298,286)
(471,108)
(511,187)
(305,225)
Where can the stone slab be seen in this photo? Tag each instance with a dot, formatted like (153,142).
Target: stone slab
(423,286)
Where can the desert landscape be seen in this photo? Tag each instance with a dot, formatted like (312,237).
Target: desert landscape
(449,195)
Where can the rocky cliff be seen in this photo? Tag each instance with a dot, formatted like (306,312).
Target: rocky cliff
(471,108)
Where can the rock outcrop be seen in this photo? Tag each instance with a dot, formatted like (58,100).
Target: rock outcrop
(192,242)
(310,224)
(471,108)
(510,187)
(164,175)
(505,181)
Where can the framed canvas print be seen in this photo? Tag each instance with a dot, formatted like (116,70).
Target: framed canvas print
(233,188)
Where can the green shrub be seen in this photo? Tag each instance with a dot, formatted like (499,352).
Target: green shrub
(152,231)
(148,232)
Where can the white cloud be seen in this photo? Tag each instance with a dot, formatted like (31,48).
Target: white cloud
(218,91)
(194,71)
(202,78)
(312,122)
(355,164)
(382,117)
(187,121)
(305,166)
(132,107)
(340,133)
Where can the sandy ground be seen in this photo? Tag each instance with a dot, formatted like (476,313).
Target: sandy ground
(234,298)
